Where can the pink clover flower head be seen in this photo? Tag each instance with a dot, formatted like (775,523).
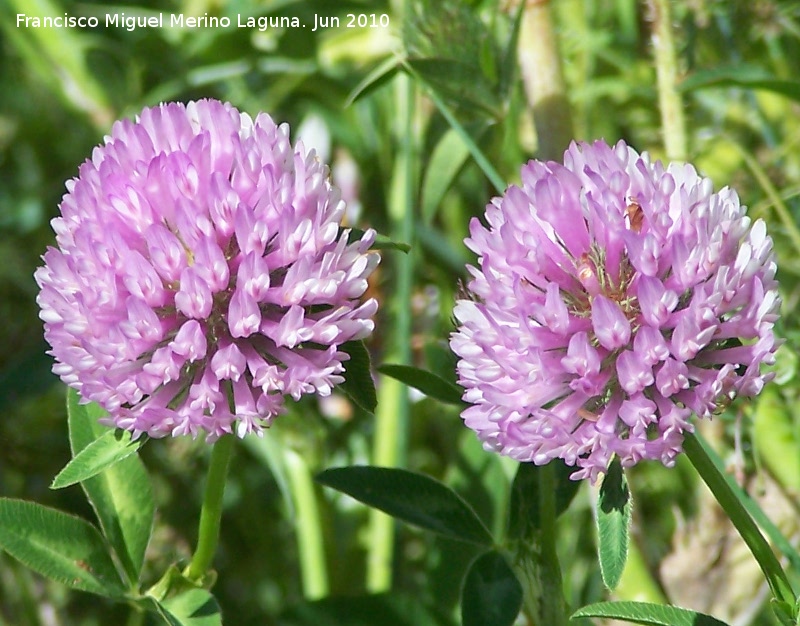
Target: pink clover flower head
(613,297)
(201,274)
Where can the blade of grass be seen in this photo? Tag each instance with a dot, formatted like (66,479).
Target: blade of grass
(785,216)
(480,158)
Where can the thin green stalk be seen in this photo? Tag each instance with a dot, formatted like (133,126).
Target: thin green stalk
(310,543)
(391,417)
(789,223)
(540,64)
(733,507)
(211,513)
(673,121)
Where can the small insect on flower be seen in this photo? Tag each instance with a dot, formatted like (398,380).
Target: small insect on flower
(202,274)
(635,215)
(613,298)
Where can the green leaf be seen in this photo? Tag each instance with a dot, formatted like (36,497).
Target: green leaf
(648,614)
(477,154)
(382,242)
(459,83)
(411,497)
(180,601)
(784,612)
(358,383)
(492,595)
(194,607)
(111,447)
(378,77)
(59,56)
(441,251)
(446,161)
(613,524)
(745,77)
(121,495)
(509,68)
(524,509)
(59,546)
(430,384)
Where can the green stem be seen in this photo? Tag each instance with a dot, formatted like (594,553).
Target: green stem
(136,617)
(310,544)
(536,560)
(673,122)
(553,605)
(211,513)
(540,64)
(716,482)
(391,416)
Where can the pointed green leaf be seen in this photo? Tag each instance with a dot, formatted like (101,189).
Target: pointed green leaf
(524,509)
(193,607)
(59,546)
(379,76)
(110,448)
(446,161)
(382,242)
(647,614)
(459,83)
(491,594)
(613,524)
(784,612)
(358,383)
(149,603)
(411,497)
(180,602)
(477,154)
(509,68)
(745,77)
(428,383)
(121,495)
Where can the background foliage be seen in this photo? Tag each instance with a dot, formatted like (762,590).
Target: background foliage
(59,92)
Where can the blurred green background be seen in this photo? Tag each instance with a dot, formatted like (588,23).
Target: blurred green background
(408,175)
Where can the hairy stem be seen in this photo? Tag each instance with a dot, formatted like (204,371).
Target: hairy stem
(540,64)
(673,122)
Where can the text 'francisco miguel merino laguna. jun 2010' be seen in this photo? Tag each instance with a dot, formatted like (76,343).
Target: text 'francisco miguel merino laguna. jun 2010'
(179,20)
